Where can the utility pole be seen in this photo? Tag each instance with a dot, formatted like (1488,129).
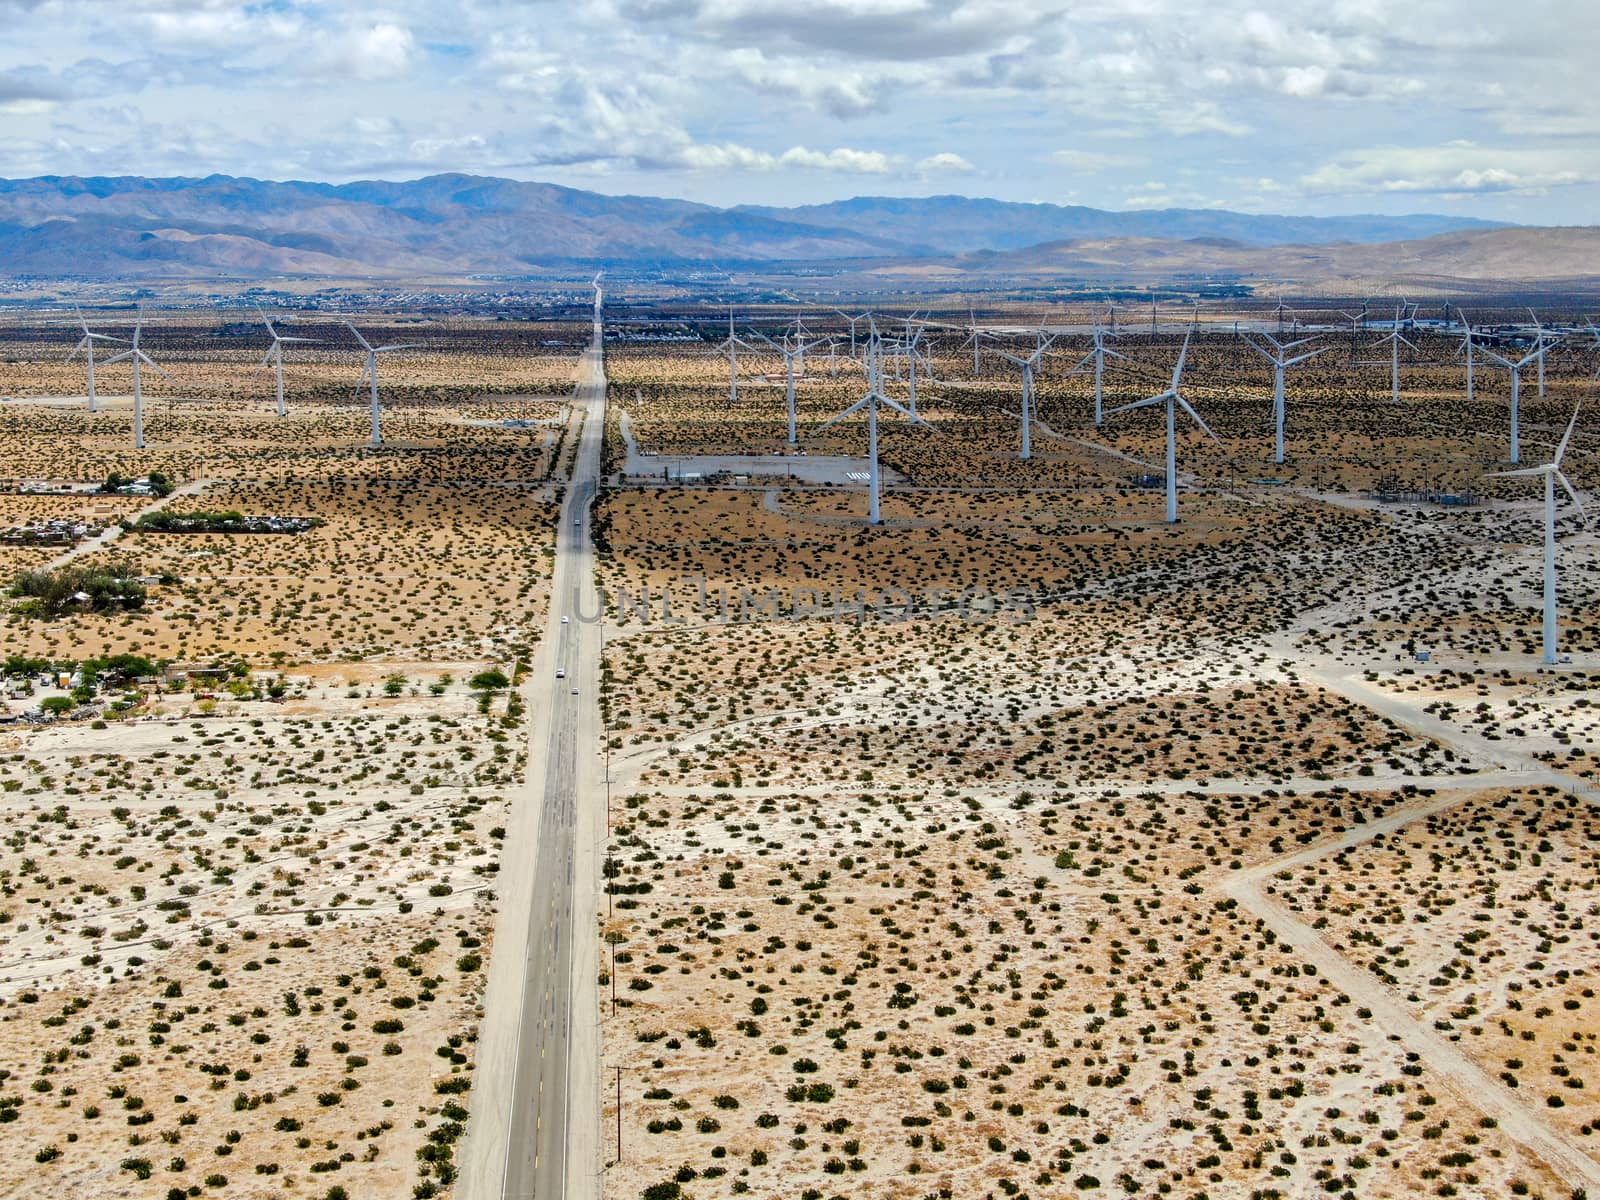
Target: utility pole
(619,1114)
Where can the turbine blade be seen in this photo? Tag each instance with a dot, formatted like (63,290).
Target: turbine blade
(126,354)
(365,345)
(1145,403)
(1561,450)
(1582,511)
(1177,371)
(1302,358)
(849,412)
(1525,473)
(151,363)
(902,410)
(1195,417)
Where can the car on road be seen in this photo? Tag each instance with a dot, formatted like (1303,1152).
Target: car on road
(574,691)
(561,672)
(566,620)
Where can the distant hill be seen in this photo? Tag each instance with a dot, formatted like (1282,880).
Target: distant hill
(462,224)
(958,224)
(1457,262)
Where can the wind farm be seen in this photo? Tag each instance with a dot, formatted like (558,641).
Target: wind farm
(893,635)
(688,600)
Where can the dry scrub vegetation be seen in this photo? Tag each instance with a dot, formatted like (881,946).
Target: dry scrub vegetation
(962,907)
(245,922)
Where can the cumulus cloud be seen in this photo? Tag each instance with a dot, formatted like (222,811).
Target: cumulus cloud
(1024,97)
(1454,168)
(378,52)
(944,163)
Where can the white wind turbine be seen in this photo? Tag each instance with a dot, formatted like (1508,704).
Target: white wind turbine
(1551,474)
(86,348)
(1028,365)
(274,356)
(730,347)
(1395,339)
(1467,345)
(1539,330)
(912,338)
(1099,354)
(369,374)
(1173,398)
(793,357)
(1281,361)
(854,321)
(870,403)
(138,359)
(1516,392)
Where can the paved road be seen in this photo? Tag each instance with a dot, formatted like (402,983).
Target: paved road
(534,1130)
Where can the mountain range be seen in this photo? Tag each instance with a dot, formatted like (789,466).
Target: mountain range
(455,225)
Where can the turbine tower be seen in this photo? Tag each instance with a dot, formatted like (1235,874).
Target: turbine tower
(1516,393)
(138,358)
(1395,338)
(274,356)
(1278,356)
(1551,474)
(870,403)
(1099,354)
(792,357)
(1173,398)
(1028,365)
(369,374)
(86,346)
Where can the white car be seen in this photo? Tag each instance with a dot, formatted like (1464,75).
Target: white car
(561,672)
(566,620)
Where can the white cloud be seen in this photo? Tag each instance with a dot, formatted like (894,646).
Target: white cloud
(944,163)
(1456,167)
(379,52)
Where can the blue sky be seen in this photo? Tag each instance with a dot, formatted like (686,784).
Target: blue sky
(1474,107)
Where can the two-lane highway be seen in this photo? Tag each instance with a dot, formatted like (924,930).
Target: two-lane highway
(534,1128)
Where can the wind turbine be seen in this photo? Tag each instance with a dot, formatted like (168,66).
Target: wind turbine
(975,336)
(1028,366)
(369,374)
(791,357)
(138,358)
(1174,400)
(1539,330)
(1551,474)
(910,343)
(870,402)
(1516,389)
(274,356)
(86,346)
(1467,345)
(853,321)
(1394,337)
(1100,353)
(1278,356)
(730,347)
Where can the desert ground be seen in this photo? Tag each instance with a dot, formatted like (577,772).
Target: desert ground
(1023,845)
(1027,845)
(248,900)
